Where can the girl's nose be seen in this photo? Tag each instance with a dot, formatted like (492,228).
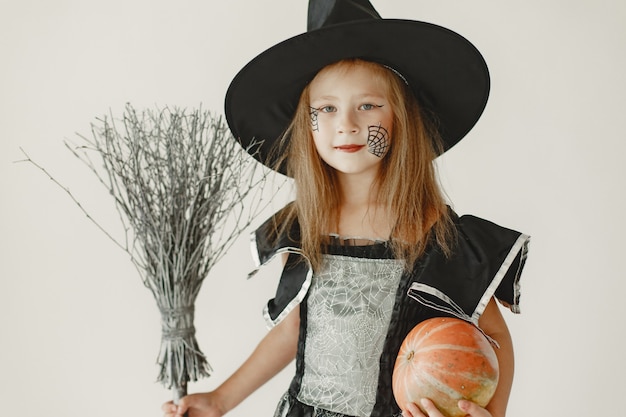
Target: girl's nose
(347,123)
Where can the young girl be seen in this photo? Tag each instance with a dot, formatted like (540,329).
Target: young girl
(370,247)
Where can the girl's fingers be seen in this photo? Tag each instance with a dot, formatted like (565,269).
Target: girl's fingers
(412,410)
(169,409)
(473,409)
(430,408)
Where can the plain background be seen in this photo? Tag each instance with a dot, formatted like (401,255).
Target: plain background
(80,334)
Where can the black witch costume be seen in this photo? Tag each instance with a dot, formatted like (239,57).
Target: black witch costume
(356,311)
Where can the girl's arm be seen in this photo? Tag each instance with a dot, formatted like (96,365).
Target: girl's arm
(494,325)
(275,351)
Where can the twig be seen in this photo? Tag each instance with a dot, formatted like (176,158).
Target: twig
(74,199)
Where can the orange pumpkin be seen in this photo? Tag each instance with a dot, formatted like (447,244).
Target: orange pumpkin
(445,360)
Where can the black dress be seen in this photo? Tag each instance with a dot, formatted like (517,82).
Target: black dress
(356,311)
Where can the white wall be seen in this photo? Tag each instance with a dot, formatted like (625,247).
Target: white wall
(79,332)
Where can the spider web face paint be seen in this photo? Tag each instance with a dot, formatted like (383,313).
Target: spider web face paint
(313,113)
(377,140)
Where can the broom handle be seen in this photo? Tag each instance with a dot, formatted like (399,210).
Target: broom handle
(180,392)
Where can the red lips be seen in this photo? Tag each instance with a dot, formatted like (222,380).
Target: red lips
(349,148)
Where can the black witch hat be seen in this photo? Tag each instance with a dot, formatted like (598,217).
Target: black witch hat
(447,74)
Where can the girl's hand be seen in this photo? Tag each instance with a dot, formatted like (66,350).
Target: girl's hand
(472,409)
(195,405)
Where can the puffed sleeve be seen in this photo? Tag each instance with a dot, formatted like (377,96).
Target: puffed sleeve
(487,261)
(296,276)
(267,242)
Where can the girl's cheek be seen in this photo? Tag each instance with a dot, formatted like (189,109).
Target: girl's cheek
(377,140)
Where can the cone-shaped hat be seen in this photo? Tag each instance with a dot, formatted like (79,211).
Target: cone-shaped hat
(445,71)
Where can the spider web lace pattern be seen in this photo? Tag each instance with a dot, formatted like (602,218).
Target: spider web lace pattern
(313,113)
(349,310)
(377,140)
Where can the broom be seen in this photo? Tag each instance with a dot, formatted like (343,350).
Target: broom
(185,191)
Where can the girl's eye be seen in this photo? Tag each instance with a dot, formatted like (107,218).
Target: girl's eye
(368,106)
(327,109)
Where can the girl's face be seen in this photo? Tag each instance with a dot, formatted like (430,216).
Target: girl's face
(351,118)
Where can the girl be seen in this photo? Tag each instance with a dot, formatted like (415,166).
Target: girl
(370,247)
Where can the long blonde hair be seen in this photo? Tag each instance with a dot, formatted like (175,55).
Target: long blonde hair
(416,205)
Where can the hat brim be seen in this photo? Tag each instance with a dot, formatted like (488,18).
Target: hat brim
(445,71)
